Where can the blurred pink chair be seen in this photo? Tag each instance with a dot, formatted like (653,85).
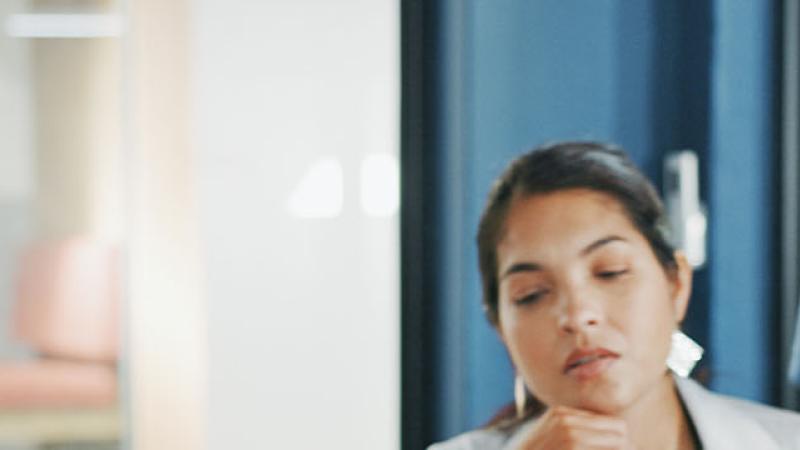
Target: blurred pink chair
(67,311)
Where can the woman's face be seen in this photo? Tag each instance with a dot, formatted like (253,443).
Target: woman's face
(585,308)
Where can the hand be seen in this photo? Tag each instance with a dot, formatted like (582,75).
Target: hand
(566,428)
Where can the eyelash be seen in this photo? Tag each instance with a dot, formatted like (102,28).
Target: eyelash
(611,274)
(530,298)
(607,275)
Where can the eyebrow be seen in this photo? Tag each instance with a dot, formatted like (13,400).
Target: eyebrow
(601,242)
(534,267)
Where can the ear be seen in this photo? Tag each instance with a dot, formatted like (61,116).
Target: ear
(681,286)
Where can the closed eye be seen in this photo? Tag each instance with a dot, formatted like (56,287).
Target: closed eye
(530,298)
(611,274)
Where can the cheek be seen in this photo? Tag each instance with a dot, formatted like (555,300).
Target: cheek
(648,323)
(530,339)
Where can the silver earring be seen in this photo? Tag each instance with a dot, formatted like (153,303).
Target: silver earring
(520,397)
(684,354)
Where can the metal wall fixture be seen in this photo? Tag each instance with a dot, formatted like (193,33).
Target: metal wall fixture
(685,211)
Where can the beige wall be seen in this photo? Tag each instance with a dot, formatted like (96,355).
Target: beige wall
(167,315)
(76,90)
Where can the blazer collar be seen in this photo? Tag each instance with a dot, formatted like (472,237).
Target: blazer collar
(720,424)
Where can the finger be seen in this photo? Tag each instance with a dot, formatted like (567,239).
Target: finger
(572,418)
(593,439)
(574,411)
(577,439)
(575,432)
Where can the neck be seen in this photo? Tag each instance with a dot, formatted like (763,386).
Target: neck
(657,421)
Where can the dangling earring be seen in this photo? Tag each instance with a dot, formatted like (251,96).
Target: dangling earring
(684,354)
(520,397)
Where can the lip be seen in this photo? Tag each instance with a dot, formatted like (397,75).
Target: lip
(586,363)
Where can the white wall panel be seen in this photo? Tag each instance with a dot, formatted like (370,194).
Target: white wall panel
(291,99)
(16,172)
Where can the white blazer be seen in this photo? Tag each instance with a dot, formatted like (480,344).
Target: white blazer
(722,423)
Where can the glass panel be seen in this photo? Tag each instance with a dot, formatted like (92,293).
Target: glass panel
(60,224)
(296,107)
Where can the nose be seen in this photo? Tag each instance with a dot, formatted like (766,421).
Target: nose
(579,311)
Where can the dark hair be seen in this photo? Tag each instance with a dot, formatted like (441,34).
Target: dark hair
(570,165)
(566,165)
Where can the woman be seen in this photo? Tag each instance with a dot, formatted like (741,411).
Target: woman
(587,295)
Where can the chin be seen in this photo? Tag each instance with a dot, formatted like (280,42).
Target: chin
(607,406)
(604,398)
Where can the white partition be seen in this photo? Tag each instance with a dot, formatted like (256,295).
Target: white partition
(297,116)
